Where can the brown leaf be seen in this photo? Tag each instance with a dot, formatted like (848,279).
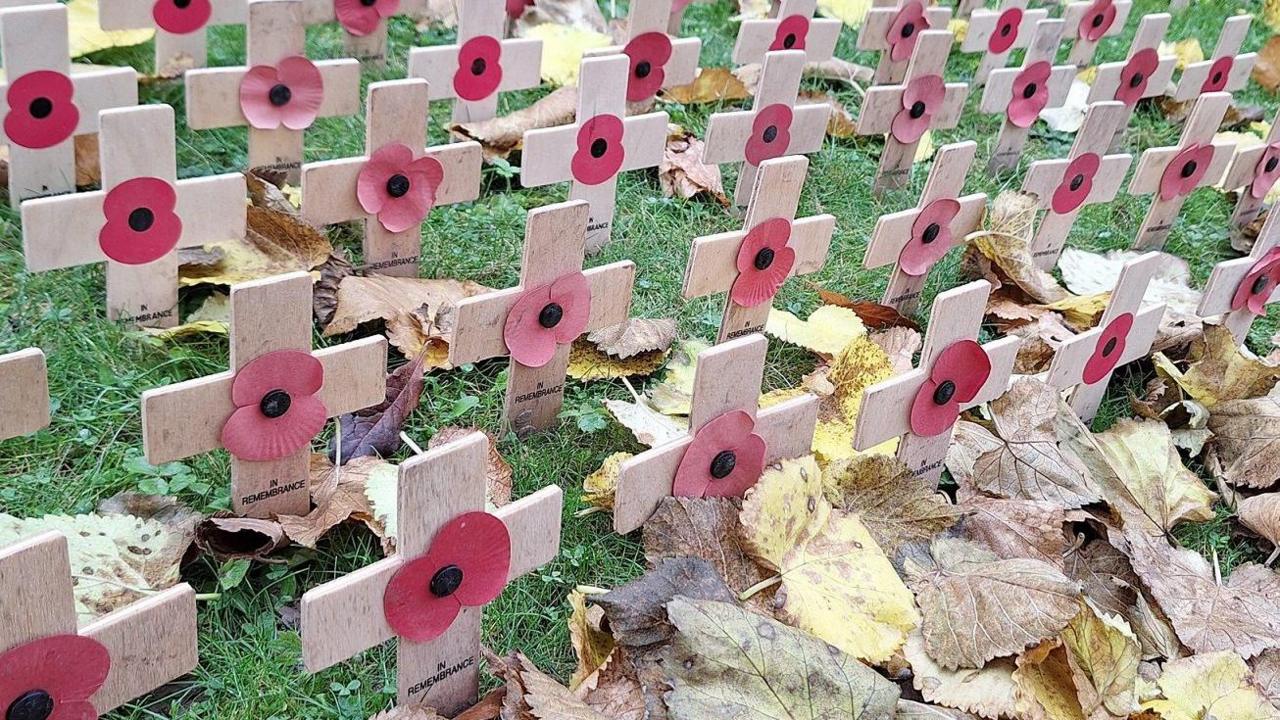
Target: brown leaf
(1266,675)
(840,123)
(1017,528)
(874,315)
(901,345)
(1044,686)
(706,528)
(88,168)
(498,474)
(1221,370)
(1247,440)
(1040,341)
(634,336)
(617,692)
(856,76)
(682,173)
(1106,575)
(637,611)
(897,507)
(229,538)
(417,311)
(1241,614)
(338,495)
(1004,247)
(911,710)
(376,430)
(501,135)
(962,586)
(324,294)
(1266,71)
(532,694)
(1261,514)
(275,243)
(714,84)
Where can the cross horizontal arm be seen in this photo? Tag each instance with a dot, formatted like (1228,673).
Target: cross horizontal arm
(548,152)
(329,187)
(213,94)
(873,35)
(728,132)
(136,14)
(1108,79)
(895,228)
(24,386)
(1146,178)
(1069,360)
(171,431)
(713,261)
(995,98)
(755,38)
(1044,177)
(480,319)
(533,523)
(151,642)
(883,103)
(35,577)
(521,67)
(97,87)
(344,617)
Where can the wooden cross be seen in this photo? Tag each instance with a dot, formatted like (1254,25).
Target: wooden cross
(395,120)
(658,59)
(1169,174)
(1227,69)
(965,8)
(274,389)
(907,406)
(440,496)
(905,112)
(1088,22)
(739,263)
(1144,73)
(792,27)
(907,239)
(726,387)
(364,39)
(1021,93)
(181,26)
(997,33)
(1086,176)
(49,101)
(1232,283)
(602,143)
(24,392)
(774,126)
(552,293)
(892,28)
(89,671)
(1252,174)
(481,64)
(1124,334)
(140,218)
(276,41)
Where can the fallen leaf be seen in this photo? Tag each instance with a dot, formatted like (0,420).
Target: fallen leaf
(840,123)
(587,363)
(896,507)
(1266,674)
(1103,654)
(849,12)
(1270,14)
(1043,684)
(408,712)
(376,430)
(1221,370)
(338,495)
(534,695)
(562,49)
(1017,528)
(212,317)
(682,173)
(581,14)
(717,670)
(1004,244)
(600,487)
(1105,574)
(1214,685)
(961,586)
(706,528)
(1092,274)
(1266,71)
(1185,52)
(840,387)
(416,311)
(324,293)
(1082,311)
(634,336)
(900,345)
(87,36)
(827,331)
(233,538)
(1246,437)
(617,691)
(650,427)
(498,475)
(591,645)
(275,243)
(986,691)
(500,136)
(1069,117)
(713,84)
(673,395)
(873,315)
(637,611)
(911,710)
(1261,514)
(381,488)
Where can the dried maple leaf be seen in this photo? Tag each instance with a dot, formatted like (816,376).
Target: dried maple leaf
(534,695)
(1246,438)
(499,136)
(1261,514)
(275,243)
(897,507)
(1241,614)
(706,528)
(836,581)
(637,611)
(1044,688)
(717,670)
(1103,654)
(713,84)
(1214,685)
(416,311)
(1221,370)
(985,691)
(1137,466)
(977,606)
(1017,528)
(900,344)
(683,174)
(1105,574)
(1002,249)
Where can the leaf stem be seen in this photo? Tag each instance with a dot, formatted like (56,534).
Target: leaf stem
(759,588)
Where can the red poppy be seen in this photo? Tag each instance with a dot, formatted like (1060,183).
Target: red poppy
(792,32)
(466,566)
(764,263)
(1135,75)
(725,458)
(287,94)
(42,110)
(277,411)
(546,317)
(362,17)
(53,678)
(905,30)
(649,54)
(770,134)
(397,188)
(1076,184)
(1097,20)
(930,237)
(1255,290)
(141,223)
(1006,32)
(1266,172)
(479,70)
(600,152)
(1219,74)
(1107,353)
(1184,173)
(181,17)
(955,379)
(515,8)
(1030,94)
(920,99)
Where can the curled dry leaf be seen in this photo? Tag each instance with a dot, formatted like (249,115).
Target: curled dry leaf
(1221,370)
(532,694)
(1105,574)
(873,315)
(376,430)
(1091,274)
(591,644)
(324,294)
(587,363)
(1246,438)
(600,487)
(834,69)
(229,538)
(1261,514)
(716,670)
(1103,654)
(634,336)
(713,84)
(1043,685)
(650,427)
(1002,252)
(674,394)
(682,173)
(275,243)
(828,330)
(497,472)
(706,528)
(499,136)
(897,507)
(900,344)
(962,586)
(1069,118)
(985,691)
(338,495)
(637,611)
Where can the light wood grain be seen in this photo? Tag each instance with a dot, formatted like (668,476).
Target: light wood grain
(151,642)
(1082,49)
(171,50)
(1226,277)
(24,393)
(873,36)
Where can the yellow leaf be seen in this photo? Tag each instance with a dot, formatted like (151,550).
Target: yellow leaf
(959,27)
(599,487)
(586,362)
(849,12)
(562,50)
(1045,688)
(674,395)
(1185,52)
(861,364)
(827,331)
(1221,370)
(1211,685)
(1271,14)
(1082,310)
(1104,655)
(213,316)
(924,148)
(779,510)
(592,645)
(713,84)
(987,691)
(87,36)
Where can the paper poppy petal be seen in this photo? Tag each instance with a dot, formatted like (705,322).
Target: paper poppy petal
(70,668)
(480,545)
(479,70)
(293,371)
(153,201)
(746,473)
(793,31)
(649,54)
(753,287)
(918,256)
(371,183)
(359,19)
(1077,183)
(966,365)
(42,110)
(770,134)
(1266,268)
(1185,171)
(192,16)
(907,129)
(255,103)
(1110,348)
(1097,20)
(414,613)
(1135,76)
(1006,32)
(600,151)
(728,432)
(572,292)
(249,435)
(1030,94)
(1266,173)
(527,341)
(307,84)
(928,417)
(1219,74)
(905,30)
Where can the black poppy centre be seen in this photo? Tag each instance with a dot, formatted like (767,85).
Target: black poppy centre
(1272,164)
(917,110)
(770,133)
(1005,29)
(31,705)
(1077,182)
(1030,90)
(1136,80)
(1217,78)
(41,108)
(722,465)
(551,315)
(599,147)
(643,69)
(141,219)
(182,4)
(398,186)
(275,404)
(1097,21)
(1110,347)
(1189,168)
(446,581)
(478,66)
(280,95)
(1259,285)
(789,41)
(930,233)
(763,259)
(944,392)
(908,30)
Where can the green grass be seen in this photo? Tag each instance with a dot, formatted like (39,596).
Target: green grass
(249,657)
